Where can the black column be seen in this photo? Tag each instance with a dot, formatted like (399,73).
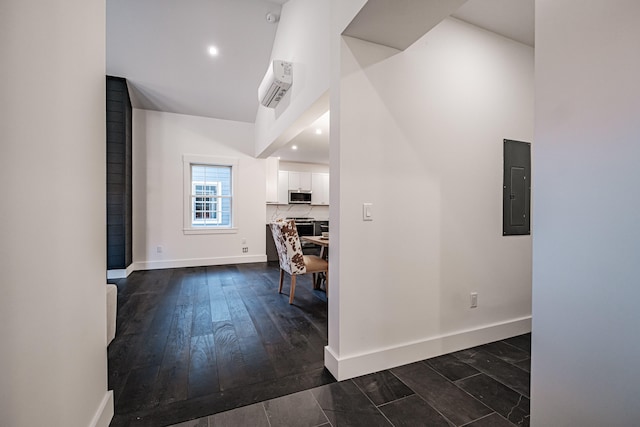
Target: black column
(119,179)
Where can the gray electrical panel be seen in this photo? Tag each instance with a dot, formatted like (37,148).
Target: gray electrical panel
(516,196)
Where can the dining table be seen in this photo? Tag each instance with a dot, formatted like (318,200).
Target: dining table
(323,242)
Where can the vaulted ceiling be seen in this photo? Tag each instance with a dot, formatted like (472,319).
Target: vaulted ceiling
(162,48)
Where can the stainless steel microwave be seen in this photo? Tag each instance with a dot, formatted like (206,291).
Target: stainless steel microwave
(300,197)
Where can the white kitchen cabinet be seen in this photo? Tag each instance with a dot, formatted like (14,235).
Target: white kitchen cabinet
(300,181)
(283,188)
(273,164)
(320,189)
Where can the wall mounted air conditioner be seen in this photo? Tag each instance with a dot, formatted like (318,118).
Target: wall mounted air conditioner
(275,84)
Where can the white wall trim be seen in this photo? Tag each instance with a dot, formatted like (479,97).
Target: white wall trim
(331,361)
(104,414)
(197,262)
(385,358)
(122,273)
(117,274)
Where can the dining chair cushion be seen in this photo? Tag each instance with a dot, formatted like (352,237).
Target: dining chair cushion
(314,263)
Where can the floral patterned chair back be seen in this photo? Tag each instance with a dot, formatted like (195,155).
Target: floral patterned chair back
(285,236)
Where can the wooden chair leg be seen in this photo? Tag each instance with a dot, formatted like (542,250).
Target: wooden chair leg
(281,280)
(326,282)
(313,278)
(293,288)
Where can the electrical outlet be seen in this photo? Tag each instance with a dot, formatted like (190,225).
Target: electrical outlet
(245,250)
(474,299)
(159,249)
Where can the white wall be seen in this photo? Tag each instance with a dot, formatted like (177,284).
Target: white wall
(303,39)
(52,233)
(420,137)
(587,240)
(159,142)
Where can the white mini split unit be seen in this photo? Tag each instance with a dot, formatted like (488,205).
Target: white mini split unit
(276,83)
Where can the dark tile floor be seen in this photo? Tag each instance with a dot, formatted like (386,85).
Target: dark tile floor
(486,386)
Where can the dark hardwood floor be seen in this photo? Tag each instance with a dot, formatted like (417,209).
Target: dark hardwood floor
(192,342)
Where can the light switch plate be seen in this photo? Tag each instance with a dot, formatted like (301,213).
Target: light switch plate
(367,211)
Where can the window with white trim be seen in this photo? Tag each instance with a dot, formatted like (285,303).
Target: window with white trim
(208,194)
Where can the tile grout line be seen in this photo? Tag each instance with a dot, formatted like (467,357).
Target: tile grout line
(455,382)
(528,355)
(515,346)
(422,398)
(507,386)
(371,401)
(264,409)
(398,399)
(463,390)
(494,378)
(435,409)
(320,406)
(478,419)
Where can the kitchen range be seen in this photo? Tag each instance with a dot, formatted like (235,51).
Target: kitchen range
(306,226)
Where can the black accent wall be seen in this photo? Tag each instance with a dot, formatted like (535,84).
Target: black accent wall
(119,178)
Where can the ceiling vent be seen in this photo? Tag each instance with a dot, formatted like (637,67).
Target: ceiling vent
(276,83)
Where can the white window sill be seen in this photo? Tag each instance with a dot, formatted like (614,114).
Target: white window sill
(210,230)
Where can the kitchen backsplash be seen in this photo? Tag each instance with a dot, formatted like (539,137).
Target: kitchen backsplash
(282,211)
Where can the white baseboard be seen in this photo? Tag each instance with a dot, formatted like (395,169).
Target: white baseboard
(350,366)
(122,273)
(104,414)
(197,262)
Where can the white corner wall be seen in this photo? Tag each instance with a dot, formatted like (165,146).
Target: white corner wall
(303,39)
(159,142)
(420,136)
(586,246)
(52,233)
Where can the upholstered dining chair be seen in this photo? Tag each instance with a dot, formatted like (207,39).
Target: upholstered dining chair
(291,257)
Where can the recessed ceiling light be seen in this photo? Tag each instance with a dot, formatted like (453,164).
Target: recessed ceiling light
(213,51)
(318,131)
(294,147)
